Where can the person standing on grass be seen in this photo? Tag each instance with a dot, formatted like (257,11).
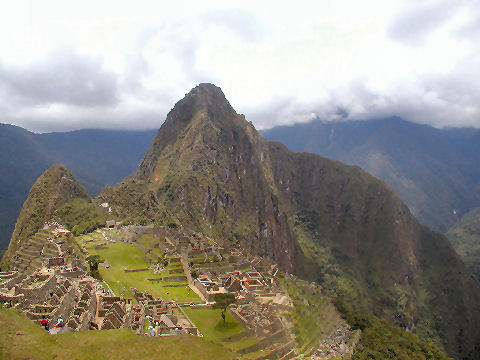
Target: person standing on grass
(59,322)
(152,330)
(44,323)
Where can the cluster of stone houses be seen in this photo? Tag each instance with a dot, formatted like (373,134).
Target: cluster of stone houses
(168,318)
(62,289)
(260,301)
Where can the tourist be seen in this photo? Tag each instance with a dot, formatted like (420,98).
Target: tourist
(59,322)
(151,330)
(44,323)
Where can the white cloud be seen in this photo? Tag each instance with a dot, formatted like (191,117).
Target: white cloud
(124,65)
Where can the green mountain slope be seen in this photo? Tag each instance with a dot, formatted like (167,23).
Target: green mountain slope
(97,157)
(435,171)
(210,170)
(465,238)
(53,188)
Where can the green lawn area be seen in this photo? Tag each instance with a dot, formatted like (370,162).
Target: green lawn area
(144,243)
(23,339)
(122,256)
(210,324)
(241,343)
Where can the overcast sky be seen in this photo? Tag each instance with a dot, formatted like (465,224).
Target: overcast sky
(123,64)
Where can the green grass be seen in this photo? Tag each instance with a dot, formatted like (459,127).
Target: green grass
(149,238)
(144,243)
(23,339)
(210,323)
(241,343)
(211,326)
(122,256)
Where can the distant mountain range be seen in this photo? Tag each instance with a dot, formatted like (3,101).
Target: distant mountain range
(97,157)
(435,171)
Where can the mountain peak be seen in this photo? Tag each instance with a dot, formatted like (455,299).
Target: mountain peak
(205,101)
(206,91)
(204,96)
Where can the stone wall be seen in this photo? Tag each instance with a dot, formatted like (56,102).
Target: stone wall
(67,303)
(39,294)
(241,265)
(203,290)
(12,282)
(217,270)
(210,265)
(89,314)
(174,278)
(239,318)
(136,270)
(72,274)
(76,263)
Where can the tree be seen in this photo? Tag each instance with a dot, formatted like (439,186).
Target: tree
(222,301)
(93,261)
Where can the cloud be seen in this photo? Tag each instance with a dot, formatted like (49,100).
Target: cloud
(63,77)
(437,101)
(240,21)
(418,21)
(126,68)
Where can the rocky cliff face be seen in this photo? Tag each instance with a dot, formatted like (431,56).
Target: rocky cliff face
(209,169)
(51,190)
(358,238)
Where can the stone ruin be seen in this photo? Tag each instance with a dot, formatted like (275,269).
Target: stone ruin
(167,317)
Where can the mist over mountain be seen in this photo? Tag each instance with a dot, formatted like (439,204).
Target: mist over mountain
(97,157)
(435,171)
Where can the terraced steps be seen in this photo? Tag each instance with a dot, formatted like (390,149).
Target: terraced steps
(37,263)
(317,321)
(31,252)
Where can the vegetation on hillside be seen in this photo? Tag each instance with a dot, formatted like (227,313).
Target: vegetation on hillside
(435,171)
(132,201)
(382,340)
(96,157)
(81,216)
(53,188)
(465,238)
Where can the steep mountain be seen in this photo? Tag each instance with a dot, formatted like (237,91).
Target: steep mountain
(52,189)
(210,170)
(25,155)
(465,238)
(435,171)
